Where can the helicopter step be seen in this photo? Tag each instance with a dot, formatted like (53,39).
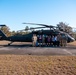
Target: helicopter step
(10,43)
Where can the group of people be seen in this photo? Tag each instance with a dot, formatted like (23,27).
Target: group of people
(49,40)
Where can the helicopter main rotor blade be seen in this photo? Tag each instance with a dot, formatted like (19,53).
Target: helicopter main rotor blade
(2,25)
(49,26)
(31,28)
(37,28)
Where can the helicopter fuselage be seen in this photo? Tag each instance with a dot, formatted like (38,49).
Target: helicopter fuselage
(28,37)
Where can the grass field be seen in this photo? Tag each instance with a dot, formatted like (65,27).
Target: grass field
(37,65)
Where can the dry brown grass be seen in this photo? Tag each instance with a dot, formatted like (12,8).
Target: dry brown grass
(15,43)
(37,65)
(4,42)
(72,43)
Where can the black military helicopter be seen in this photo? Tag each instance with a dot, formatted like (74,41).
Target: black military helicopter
(28,37)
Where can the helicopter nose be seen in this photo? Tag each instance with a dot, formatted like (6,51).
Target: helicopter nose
(73,39)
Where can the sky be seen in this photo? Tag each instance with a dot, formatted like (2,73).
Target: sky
(14,12)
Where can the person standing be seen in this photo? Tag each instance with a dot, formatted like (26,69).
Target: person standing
(53,40)
(48,40)
(40,40)
(43,39)
(59,37)
(59,40)
(34,40)
(64,40)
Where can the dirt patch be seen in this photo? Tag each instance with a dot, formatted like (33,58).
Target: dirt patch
(4,42)
(14,43)
(72,43)
(37,65)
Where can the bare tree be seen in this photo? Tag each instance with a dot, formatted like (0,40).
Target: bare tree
(64,27)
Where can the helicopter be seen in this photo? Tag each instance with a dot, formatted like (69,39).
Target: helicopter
(28,37)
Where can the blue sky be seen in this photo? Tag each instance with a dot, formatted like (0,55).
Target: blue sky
(14,12)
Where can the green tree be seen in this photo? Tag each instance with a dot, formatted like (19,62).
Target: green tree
(26,29)
(13,32)
(6,30)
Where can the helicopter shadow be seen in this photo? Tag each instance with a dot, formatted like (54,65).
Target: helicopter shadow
(26,45)
(30,45)
(16,46)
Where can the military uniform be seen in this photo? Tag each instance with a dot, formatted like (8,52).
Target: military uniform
(59,40)
(34,40)
(64,40)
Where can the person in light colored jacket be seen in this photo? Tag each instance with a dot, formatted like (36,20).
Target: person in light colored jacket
(34,40)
